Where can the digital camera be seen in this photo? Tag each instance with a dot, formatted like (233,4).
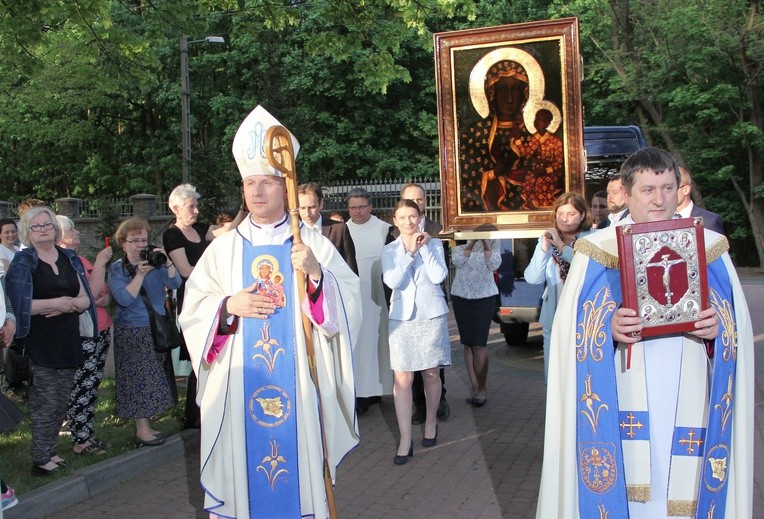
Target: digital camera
(154,258)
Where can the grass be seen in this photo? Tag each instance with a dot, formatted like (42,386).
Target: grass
(15,455)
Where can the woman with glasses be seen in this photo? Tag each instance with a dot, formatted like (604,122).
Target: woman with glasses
(48,290)
(80,413)
(145,378)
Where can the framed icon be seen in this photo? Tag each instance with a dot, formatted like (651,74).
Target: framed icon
(510,124)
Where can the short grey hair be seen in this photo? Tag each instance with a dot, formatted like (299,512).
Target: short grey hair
(26,220)
(65,223)
(358,192)
(182,193)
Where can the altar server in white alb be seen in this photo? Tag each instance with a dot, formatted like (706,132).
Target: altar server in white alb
(670,433)
(261,446)
(371,356)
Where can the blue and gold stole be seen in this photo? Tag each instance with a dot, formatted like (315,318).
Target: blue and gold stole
(270,389)
(602,426)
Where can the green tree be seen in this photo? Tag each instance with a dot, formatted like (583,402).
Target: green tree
(691,73)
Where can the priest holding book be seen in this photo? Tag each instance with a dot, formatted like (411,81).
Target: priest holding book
(641,425)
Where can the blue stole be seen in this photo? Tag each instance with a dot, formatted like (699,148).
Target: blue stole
(717,455)
(601,476)
(270,391)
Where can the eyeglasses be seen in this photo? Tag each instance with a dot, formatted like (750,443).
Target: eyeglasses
(142,241)
(358,207)
(41,226)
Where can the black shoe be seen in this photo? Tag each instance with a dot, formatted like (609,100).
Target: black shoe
(41,472)
(470,400)
(361,405)
(431,442)
(158,440)
(419,417)
(402,460)
(479,402)
(444,410)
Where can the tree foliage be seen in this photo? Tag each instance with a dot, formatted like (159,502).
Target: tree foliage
(91,103)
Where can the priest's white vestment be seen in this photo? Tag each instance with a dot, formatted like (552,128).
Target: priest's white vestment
(593,270)
(217,275)
(371,354)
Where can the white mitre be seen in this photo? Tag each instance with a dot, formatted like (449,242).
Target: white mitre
(249,144)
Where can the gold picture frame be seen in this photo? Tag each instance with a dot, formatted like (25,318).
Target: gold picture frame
(509,124)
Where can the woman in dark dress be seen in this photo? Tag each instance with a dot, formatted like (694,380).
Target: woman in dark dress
(185,242)
(48,290)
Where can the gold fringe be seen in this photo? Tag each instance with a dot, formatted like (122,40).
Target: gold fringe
(715,251)
(638,493)
(681,508)
(605,259)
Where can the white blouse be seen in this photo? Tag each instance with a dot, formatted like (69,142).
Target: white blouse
(474,274)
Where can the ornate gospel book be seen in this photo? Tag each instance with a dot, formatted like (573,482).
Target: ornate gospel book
(663,273)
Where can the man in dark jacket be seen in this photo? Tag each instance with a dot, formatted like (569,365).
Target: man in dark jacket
(311,199)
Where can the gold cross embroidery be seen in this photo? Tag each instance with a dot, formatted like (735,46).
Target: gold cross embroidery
(691,443)
(631,424)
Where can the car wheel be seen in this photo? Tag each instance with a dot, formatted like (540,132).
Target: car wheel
(516,334)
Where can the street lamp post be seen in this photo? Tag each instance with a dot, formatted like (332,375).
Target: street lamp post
(185,104)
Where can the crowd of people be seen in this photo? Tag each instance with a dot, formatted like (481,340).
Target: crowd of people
(273,309)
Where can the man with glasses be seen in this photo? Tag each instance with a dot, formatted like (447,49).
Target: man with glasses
(371,355)
(687,208)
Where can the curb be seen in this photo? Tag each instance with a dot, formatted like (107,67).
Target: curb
(91,480)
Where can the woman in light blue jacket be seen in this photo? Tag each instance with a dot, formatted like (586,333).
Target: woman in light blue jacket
(554,252)
(413,266)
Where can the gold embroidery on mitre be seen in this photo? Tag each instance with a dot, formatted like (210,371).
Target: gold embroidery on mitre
(638,493)
(270,466)
(728,333)
(592,336)
(715,251)
(590,397)
(272,406)
(681,508)
(590,250)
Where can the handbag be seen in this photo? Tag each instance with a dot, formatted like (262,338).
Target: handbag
(17,364)
(10,414)
(164,331)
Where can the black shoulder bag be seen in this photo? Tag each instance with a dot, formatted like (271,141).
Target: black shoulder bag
(163,329)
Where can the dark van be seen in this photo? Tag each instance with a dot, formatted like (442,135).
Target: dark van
(519,302)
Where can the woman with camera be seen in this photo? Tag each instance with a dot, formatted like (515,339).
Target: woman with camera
(554,252)
(48,290)
(145,378)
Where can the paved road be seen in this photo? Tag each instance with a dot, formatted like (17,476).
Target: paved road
(487,463)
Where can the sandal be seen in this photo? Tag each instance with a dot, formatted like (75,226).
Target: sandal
(91,450)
